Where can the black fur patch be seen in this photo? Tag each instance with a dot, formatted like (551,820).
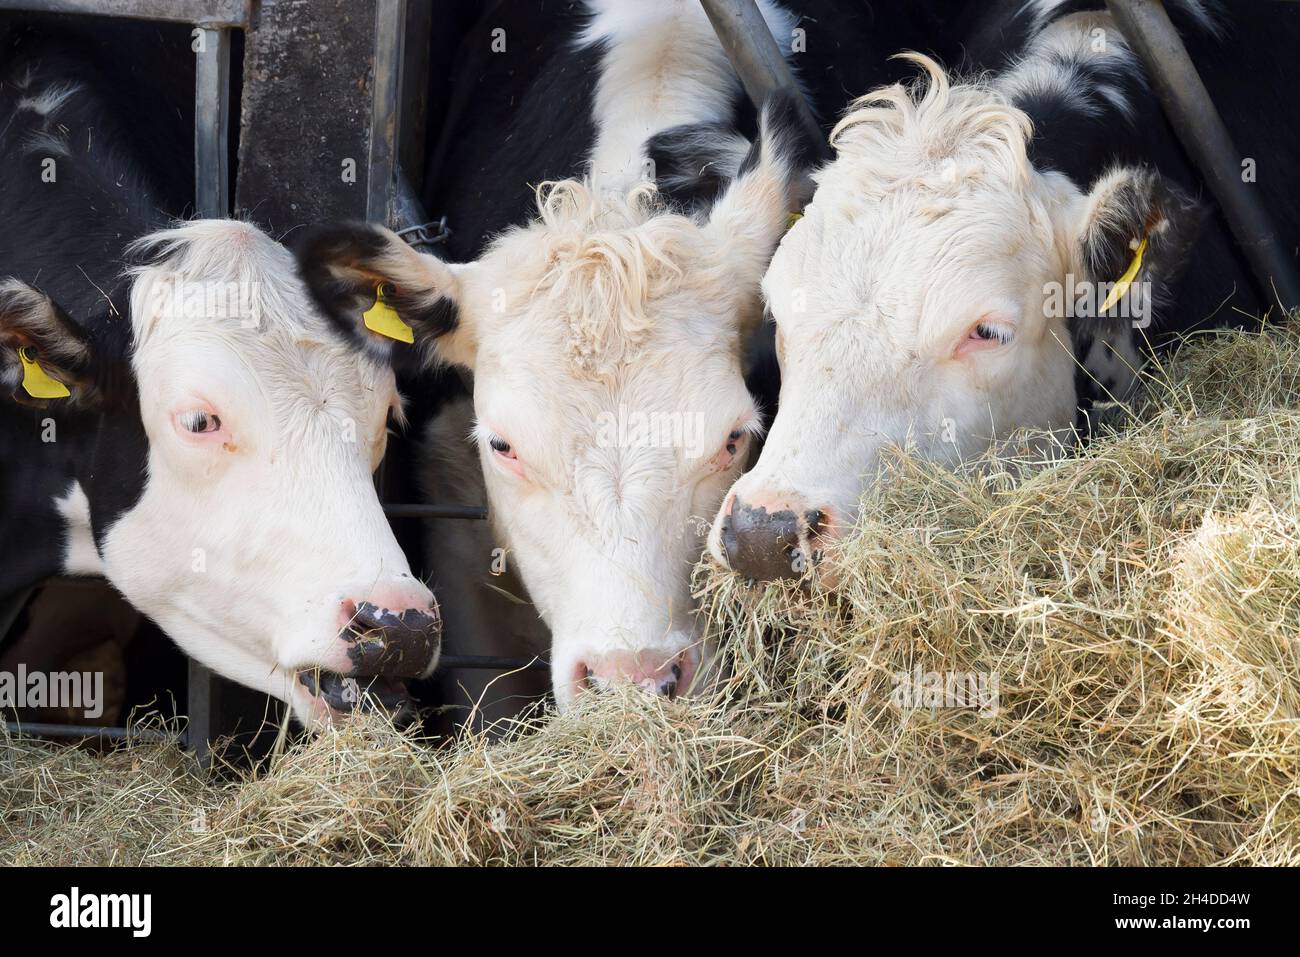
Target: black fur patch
(340,265)
(694,163)
(783,120)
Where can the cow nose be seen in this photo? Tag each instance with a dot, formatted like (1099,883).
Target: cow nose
(660,673)
(395,639)
(771,541)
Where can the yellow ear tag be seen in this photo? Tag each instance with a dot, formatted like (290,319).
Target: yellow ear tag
(383,319)
(36,381)
(791,220)
(1125,280)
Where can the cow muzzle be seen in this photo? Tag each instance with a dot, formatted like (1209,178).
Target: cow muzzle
(774,539)
(381,649)
(666,674)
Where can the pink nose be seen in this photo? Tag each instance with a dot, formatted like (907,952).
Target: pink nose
(660,673)
(399,598)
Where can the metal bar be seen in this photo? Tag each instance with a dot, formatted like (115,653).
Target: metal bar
(756,58)
(212,124)
(1200,128)
(84,581)
(35,729)
(215,13)
(199,700)
(492,662)
(413,104)
(436,511)
(410,220)
(212,201)
(381,184)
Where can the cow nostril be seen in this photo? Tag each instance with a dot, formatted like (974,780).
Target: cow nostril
(817,523)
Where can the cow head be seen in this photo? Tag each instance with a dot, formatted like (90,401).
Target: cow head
(230,491)
(606,341)
(925,299)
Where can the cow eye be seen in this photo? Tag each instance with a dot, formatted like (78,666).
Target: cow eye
(500,446)
(733,440)
(198,421)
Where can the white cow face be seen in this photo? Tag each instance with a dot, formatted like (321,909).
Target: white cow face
(611,413)
(915,305)
(257,541)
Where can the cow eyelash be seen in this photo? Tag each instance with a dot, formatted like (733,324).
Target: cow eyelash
(992,333)
(501,447)
(199,422)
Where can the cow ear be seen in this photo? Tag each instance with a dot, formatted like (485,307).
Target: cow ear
(769,190)
(45,358)
(1136,232)
(381,294)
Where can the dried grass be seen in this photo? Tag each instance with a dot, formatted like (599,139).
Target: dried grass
(1139,604)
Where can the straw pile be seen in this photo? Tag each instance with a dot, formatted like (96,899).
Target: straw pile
(1092,662)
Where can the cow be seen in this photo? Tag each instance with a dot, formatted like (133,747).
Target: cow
(189,427)
(605,322)
(977,242)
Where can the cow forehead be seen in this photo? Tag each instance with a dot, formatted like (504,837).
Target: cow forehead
(541,391)
(597,279)
(909,257)
(209,270)
(264,374)
(221,302)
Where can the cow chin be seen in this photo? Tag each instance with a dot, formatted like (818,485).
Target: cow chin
(325,653)
(348,671)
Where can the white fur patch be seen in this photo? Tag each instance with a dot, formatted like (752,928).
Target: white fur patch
(48,101)
(42,143)
(663,66)
(80,557)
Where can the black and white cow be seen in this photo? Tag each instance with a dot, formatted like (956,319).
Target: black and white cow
(192,430)
(606,330)
(972,245)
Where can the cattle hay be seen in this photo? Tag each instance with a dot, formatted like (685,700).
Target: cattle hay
(1093,661)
